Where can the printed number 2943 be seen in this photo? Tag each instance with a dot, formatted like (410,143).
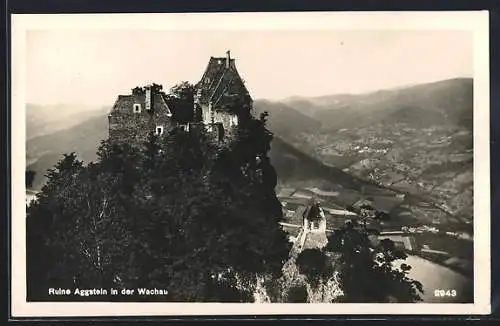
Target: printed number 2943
(445,293)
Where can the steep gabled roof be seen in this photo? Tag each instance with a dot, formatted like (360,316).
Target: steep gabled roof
(215,68)
(124,104)
(218,79)
(222,85)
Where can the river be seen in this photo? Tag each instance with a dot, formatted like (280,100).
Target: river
(432,276)
(30,195)
(436,277)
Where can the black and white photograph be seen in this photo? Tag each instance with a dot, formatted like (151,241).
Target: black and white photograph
(251,159)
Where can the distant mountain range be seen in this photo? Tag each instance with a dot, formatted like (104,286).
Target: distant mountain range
(415,139)
(438,103)
(54,130)
(286,119)
(46,119)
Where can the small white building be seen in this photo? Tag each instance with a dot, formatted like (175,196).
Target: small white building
(314,227)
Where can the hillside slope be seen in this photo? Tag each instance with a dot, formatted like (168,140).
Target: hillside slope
(437,103)
(296,167)
(416,139)
(47,119)
(285,120)
(84,138)
(43,152)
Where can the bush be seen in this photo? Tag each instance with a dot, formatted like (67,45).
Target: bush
(366,272)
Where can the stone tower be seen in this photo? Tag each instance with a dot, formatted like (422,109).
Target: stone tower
(314,227)
(221,94)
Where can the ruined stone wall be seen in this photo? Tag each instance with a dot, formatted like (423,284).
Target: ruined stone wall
(206,118)
(133,128)
(228,120)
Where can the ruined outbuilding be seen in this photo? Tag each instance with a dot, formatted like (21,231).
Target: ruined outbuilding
(135,116)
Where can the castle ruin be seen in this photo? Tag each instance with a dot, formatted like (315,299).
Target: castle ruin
(220,101)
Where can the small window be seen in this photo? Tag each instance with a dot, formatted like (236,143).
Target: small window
(219,62)
(233,121)
(137,108)
(159,130)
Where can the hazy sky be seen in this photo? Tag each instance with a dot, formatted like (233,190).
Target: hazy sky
(92,67)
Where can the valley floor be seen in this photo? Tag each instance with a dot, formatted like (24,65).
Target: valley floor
(438,253)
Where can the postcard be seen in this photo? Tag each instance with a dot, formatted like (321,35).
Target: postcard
(292,163)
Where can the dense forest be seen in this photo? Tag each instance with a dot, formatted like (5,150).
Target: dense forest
(195,218)
(180,214)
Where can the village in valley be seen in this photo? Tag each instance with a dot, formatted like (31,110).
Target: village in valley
(380,210)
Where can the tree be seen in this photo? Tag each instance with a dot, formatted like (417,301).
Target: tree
(383,216)
(183,90)
(314,265)
(351,208)
(236,104)
(48,227)
(227,233)
(181,97)
(366,268)
(367,207)
(180,213)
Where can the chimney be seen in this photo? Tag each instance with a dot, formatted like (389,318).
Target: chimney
(228,59)
(148,97)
